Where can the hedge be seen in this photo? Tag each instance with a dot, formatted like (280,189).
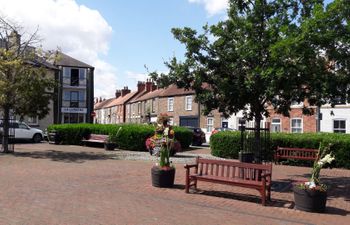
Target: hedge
(131,136)
(226,144)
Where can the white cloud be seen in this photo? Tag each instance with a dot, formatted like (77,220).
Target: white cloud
(79,31)
(213,6)
(137,76)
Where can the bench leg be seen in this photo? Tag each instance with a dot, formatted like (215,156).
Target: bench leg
(263,196)
(269,193)
(187,183)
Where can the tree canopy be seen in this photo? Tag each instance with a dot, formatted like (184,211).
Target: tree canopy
(267,52)
(25,87)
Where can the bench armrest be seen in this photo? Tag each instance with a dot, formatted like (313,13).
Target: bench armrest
(188,166)
(266,175)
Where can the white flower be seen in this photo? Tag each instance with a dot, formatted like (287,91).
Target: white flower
(166,131)
(310,184)
(326,159)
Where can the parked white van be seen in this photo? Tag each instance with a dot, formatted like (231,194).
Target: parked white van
(24,132)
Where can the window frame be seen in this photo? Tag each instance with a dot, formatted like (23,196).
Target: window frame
(274,123)
(170,106)
(339,129)
(301,125)
(210,125)
(188,103)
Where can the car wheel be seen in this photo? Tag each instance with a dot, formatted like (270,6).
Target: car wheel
(37,138)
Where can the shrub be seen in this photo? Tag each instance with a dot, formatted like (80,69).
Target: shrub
(227,144)
(184,136)
(131,137)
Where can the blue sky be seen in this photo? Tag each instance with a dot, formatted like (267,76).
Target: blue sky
(117,37)
(141,33)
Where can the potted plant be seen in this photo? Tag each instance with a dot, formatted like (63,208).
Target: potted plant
(311,196)
(112,140)
(160,144)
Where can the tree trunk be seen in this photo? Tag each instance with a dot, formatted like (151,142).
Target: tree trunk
(257,142)
(6,126)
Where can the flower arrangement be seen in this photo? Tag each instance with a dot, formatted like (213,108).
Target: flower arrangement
(324,158)
(163,143)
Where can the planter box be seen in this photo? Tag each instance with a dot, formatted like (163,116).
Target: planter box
(163,178)
(310,200)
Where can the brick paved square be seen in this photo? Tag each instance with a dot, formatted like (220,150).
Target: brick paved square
(52,184)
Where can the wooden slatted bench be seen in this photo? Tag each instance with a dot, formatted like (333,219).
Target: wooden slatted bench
(95,138)
(248,175)
(295,153)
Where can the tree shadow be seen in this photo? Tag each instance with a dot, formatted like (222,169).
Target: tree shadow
(66,157)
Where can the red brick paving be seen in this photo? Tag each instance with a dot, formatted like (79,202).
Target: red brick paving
(50,184)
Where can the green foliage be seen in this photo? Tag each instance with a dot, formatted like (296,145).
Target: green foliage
(184,136)
(26,82)
(227,144)
(130,137)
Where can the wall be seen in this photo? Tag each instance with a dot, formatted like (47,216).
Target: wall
(338,112)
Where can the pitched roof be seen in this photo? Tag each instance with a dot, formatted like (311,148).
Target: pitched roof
(121,100)
(101,105)
(138,96)
(152,94)
(173,90)
(66,60)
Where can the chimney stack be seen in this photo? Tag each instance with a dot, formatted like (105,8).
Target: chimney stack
(125,91)
(141,86)
(118,93)
(149,85)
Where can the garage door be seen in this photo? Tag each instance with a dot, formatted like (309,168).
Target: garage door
(190,121)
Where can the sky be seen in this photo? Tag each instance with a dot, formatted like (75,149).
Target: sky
(120,38)
(117,37)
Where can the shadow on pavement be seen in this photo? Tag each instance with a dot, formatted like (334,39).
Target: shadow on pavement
(67,157)
(247,198)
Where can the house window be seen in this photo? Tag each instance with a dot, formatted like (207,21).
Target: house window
(210,124)
(171,121)
(82,74)
(32,120)
(276,125)
(74,77)
(170,104)
(339,126)
(74,99)
(296,125)
(188,103)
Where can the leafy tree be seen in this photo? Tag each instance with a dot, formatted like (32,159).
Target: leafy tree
(25,88)
(268,52)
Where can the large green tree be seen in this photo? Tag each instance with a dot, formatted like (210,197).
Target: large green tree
(267,52)
(25,88)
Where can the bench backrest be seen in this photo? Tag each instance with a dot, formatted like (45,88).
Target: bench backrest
(297,153)
(101,137)
(232,169)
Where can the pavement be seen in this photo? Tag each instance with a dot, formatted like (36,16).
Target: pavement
(57,184)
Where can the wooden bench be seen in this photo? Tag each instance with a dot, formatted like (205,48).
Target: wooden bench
(295,153)
(96,138)
(248,175)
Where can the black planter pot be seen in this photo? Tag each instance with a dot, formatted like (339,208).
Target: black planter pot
(54,137)
(247,157)
(310,200)
(163,178)
(109,146)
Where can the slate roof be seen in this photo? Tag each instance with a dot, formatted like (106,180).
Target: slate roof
(121,100)
(173,90)
(66,60)
(102,104)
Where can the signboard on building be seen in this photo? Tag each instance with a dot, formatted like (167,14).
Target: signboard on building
(73,110)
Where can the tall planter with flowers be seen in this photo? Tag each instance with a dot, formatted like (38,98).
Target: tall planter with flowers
(161,144)
(311,196)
